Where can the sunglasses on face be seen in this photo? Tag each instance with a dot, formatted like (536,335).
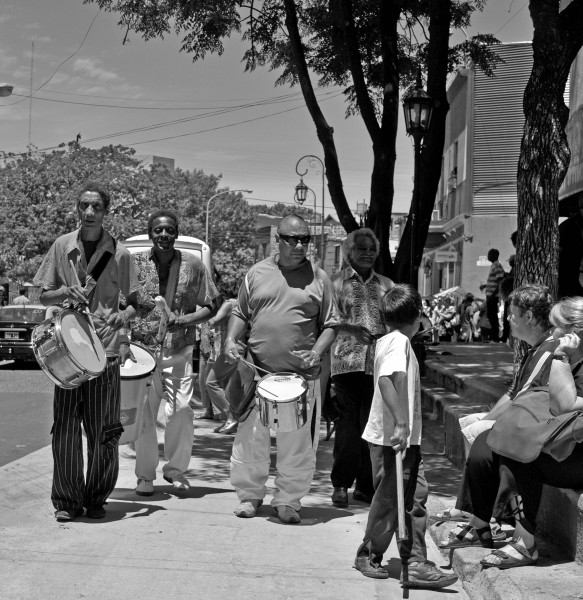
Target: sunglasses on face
(292,240)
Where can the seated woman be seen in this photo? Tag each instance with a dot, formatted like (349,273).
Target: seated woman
(530,306)
(527,479)
(495,482)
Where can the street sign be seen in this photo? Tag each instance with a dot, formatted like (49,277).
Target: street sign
(445,256)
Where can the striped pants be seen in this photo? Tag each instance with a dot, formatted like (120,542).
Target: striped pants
(96,405)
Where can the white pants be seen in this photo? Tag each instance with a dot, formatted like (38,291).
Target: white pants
(472,425)
(173,381)
(296,457)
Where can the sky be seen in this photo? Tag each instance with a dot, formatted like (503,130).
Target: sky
(207,115)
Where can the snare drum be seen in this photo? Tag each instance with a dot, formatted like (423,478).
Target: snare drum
(68,349)
(135,381)
(282,399)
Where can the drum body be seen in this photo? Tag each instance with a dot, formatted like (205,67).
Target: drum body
(282,400)
(135,382)
(68,349)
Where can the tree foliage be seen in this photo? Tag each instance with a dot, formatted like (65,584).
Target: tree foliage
(371,48)
(38,195)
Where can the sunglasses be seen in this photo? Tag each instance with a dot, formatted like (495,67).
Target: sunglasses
(292,240)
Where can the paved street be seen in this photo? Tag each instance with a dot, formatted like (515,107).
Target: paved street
(177,545)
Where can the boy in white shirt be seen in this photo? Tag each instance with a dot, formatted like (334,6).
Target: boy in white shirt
(394,424)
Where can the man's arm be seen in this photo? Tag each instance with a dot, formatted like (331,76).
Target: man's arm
(313,357)
(498,408)
(235,330)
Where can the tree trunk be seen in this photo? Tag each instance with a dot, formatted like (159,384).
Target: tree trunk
(544,154)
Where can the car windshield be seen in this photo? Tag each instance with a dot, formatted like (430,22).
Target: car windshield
(22,314)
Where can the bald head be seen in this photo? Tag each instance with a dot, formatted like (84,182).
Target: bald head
(293,225)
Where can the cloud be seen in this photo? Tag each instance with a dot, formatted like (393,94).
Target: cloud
(90,68)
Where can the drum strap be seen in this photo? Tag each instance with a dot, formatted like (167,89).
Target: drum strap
(93,277)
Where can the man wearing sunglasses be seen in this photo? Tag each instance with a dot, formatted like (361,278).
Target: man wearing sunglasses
(289,306)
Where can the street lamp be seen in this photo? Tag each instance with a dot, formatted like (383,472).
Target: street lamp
(417,106)
(313,163)
(206,238)
(5,90)
(300,196)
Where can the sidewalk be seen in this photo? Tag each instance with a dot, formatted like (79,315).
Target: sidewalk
(185,545)
(463,378)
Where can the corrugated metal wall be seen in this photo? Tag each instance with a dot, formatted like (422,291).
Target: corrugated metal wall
(498,127)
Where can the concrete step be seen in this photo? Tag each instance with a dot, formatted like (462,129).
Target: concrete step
(448,394)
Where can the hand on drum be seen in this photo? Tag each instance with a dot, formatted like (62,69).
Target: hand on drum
(74,293)
(125,354)
(309,358)
(116,321)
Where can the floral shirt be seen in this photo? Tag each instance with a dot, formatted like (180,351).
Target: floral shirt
(359,303)
(195,288)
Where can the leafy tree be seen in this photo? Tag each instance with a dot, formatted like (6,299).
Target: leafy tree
(38,194)
(371,48)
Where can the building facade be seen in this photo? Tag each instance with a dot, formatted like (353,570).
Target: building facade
(476,203)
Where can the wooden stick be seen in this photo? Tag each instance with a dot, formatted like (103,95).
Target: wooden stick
(164,309)
(402,533)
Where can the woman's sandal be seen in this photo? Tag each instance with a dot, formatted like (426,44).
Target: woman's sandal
(466,535)
(507,561)
(447,515)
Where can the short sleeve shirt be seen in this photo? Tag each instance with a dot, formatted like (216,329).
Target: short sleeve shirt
(118,276)
(195,288)
(394,354)
(286,308)
(359,303)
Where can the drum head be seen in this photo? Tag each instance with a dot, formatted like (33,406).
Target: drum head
(145,364)
(81,341)
(281,387)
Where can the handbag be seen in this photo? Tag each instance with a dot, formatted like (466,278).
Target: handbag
(527,428)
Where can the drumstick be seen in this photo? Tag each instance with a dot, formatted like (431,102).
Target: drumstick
(79,284)
(164,309)
(402,533)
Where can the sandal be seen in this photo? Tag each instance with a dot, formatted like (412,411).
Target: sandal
(507,561)
(447,515)
(466,535)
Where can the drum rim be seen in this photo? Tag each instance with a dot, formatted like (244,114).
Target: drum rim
(142,375)
(73,359)
(279,373)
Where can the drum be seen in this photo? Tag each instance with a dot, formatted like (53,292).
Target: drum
(282,400)
(68,349)
(135,381)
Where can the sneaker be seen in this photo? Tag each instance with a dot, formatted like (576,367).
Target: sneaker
(248,508)
(340,497)
(287,514)
(179,482)
(145,487)
(68,514)
(370,568)
(426,575)
(95,511)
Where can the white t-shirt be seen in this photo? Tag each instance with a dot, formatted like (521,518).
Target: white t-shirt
(394,354)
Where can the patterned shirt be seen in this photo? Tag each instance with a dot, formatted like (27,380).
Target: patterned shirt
(195,288)
(359,303)
(495,276)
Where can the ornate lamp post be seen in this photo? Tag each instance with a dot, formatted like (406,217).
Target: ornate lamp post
(313,163)
(206,238)
(418,107)
(300,196)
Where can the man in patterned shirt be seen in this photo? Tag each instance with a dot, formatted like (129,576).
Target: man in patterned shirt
(495,276)
(183,281)
(359,291)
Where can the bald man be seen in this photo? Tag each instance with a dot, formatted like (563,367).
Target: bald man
(289,305)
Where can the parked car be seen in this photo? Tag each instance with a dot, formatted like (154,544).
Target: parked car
(16,325)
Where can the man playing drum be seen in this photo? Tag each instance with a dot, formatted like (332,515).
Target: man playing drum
(289,305)
(187,287)
(95,403)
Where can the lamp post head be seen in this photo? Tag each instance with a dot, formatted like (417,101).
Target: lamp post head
(417,108)
(5,90)
(301,192)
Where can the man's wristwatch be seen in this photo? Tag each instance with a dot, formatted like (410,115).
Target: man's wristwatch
(562,357)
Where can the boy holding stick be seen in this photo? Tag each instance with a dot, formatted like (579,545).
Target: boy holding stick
(393,432)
